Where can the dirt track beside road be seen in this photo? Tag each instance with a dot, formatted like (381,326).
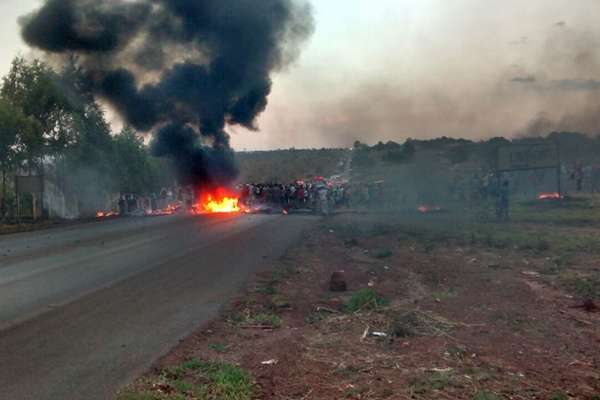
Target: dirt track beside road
(461,320)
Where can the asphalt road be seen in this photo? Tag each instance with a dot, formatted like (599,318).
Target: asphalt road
(87,308)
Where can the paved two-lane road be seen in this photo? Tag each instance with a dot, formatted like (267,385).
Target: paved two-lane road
(84,309)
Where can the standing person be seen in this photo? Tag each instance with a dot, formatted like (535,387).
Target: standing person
(323,196)
(131,203)
(153,201)
(595,178)
(311,196)
(122,205)
(257,194)
(366,195)
(578,176)
(275,195)
(349,194)
(286,196)
(300,196)
(163,199)
(292,196)
(306,199)
(502,202)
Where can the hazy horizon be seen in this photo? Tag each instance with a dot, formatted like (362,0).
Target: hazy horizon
(422,69)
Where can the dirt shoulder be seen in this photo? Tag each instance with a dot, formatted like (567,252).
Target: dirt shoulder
(425,316)
(7,229)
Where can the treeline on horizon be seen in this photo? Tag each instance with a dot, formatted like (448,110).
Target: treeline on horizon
(573,147)
(285,166)
(51,125)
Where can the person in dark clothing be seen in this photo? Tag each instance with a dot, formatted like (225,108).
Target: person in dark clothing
(122,205)
(502,202)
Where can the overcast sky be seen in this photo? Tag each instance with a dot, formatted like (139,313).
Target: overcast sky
(393,69)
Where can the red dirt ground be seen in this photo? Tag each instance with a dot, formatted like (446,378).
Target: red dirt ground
(478,323)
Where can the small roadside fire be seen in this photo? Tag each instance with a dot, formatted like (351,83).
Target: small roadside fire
(169,210)
(106,214)
(218,202)
(426,209)
(550,196)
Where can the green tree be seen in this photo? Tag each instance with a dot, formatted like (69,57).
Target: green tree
(15,129)
(33,87)
(132,162)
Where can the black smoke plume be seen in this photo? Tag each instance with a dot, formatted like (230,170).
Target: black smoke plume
(182,69)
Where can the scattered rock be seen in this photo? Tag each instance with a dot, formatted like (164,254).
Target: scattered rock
(588,306)
(531,273)
(338,282)
(405,325)
(378,334)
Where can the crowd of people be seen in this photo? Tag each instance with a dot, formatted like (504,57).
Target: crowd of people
(315,196)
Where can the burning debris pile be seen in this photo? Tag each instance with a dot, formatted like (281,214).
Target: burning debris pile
(550,196)
(181,69)
(106,214)
(215,201)
(219,201)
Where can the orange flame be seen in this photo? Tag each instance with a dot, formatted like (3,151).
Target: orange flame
(218,202)
(223,205)
(424,209)
(106,214)
(550,196)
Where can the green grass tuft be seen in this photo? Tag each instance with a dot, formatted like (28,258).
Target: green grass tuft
(264,318)
(202,380)
(486,396)
(182,386)
(219,347)
(365,299)
(143,396)
(432,381)
(231,382)
(559,396)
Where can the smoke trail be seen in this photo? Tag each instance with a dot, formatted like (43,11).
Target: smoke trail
(183,69)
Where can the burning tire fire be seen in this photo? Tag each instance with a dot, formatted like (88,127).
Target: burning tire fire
(218,202)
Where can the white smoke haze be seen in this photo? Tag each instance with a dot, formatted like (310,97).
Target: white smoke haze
(466,68)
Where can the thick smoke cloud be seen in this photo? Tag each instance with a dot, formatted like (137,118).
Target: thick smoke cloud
(88,25)
(183,69)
